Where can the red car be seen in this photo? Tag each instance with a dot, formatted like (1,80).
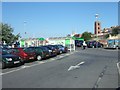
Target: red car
(24,53)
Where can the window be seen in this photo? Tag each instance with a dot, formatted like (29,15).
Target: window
(15,50)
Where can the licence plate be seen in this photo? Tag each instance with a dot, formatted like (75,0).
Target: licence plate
(16,62)
(31,58)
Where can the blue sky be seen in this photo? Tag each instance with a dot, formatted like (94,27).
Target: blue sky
(57,19)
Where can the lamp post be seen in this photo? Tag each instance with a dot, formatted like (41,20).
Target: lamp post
(25,28)
(96,16)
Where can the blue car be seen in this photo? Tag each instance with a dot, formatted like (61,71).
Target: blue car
(62,49)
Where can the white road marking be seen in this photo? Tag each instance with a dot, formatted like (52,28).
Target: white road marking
(22,67)
(118,67)
(11,71)
(67,54)
(80,63)
(61,56)
(76,66)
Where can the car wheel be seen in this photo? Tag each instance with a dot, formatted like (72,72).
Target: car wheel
(60,52)
(3,65)
(22,62)
(39,57)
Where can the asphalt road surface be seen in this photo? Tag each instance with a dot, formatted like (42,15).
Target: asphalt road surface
(90,68)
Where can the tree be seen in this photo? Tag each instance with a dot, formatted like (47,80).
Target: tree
(7,34)
(115,31)
(86,36)
(106,36)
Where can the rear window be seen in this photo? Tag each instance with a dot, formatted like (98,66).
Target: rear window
(28,50)
(44,48)
(60,46)
(14,50)
(4,51)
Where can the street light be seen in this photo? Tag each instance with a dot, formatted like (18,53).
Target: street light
(25,28)
(96,16)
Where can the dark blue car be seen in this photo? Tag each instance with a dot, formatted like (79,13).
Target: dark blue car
(8,59)
(62,49)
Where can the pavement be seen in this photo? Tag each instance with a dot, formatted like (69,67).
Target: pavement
(89,68)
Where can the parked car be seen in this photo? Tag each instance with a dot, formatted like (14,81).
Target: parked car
(61,48)
(40,52)
(94,44)
(9,60)
(90,44)
(24,53)
(56,47)
(78,43)
(52,50)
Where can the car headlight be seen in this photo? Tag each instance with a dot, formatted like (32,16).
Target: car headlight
(19,57)
(9,59)
(50,50)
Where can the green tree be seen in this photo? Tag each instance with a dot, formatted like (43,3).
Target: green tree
(106,36)
(7,34)
(115,31)
(86,36)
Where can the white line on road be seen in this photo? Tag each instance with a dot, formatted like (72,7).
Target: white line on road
(22,67)
(118,67)
(80,63)
(10,71)
(76,66)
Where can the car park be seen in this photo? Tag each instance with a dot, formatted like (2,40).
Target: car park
(24,53)
(9,60)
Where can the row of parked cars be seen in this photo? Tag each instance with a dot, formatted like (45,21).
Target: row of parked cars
(94,44)
(90,44)
(13,56)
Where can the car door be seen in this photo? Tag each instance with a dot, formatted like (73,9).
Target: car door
(46,51)
(39,51)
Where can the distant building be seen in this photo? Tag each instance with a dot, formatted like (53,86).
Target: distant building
(65,41)
(78,35)
(108,30)
(27,42)
(97,28)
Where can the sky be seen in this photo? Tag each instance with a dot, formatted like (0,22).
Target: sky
(57,19)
